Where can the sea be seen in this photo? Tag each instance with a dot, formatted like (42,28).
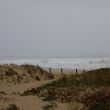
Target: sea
(58,62)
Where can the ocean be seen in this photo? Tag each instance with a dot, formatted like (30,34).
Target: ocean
(56,63)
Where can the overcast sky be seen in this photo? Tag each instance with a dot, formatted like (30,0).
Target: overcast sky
(54,27)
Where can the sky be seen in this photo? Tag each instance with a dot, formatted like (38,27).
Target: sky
(54,28)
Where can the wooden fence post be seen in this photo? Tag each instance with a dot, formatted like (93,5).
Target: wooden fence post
(76,72)
(61,70)
(76,78)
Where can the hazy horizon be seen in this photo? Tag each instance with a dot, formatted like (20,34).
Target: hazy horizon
(55,28)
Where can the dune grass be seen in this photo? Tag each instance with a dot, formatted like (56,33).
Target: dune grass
(23,73)
(75,88)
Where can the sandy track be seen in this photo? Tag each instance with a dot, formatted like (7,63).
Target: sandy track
(24,102)
(23,87)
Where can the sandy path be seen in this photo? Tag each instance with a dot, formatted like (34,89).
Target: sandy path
(23,87)
(29,103)
(24,102)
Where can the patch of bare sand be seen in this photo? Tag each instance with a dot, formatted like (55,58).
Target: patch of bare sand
(29,103)
(24,102)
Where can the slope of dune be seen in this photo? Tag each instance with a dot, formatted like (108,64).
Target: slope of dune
(23,73)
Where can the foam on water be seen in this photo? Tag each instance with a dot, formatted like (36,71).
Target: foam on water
(68,63)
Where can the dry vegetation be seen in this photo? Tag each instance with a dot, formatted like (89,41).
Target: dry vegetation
(28,87)
(85,89)
(23,73)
